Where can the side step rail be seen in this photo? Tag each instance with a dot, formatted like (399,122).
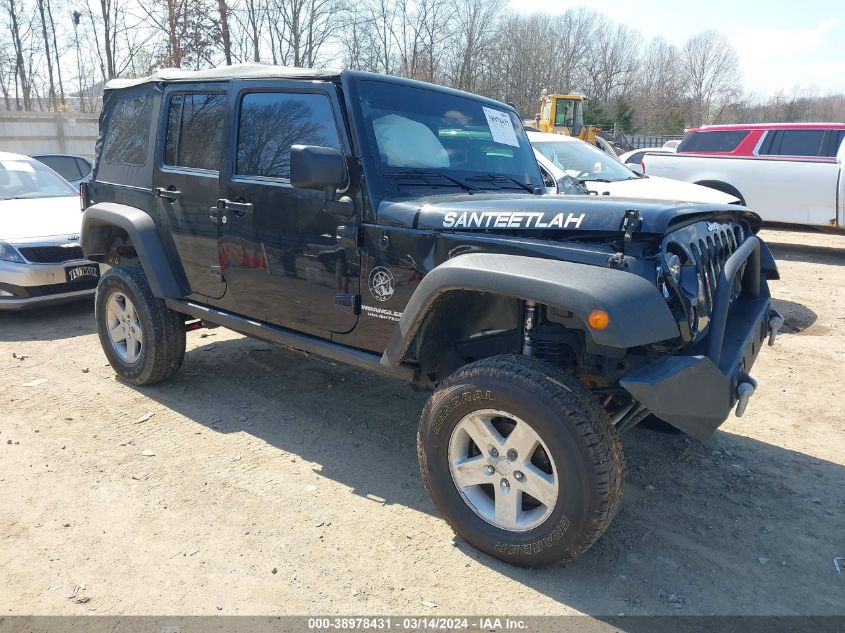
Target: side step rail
(295,340)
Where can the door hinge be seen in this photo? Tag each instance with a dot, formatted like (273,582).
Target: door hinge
(348,235)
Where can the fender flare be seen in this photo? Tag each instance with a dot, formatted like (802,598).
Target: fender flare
(724,187)
(638,313)
(141,228)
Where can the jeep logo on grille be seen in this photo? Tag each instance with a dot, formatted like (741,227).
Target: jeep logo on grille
(713,226)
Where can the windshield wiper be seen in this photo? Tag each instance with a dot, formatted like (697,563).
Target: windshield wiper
(494,177)
(404,173)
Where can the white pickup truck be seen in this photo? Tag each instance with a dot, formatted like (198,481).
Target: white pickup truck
(793,173)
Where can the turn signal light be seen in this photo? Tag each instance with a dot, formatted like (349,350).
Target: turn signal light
(598,319)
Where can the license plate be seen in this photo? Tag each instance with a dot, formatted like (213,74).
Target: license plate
(83,272)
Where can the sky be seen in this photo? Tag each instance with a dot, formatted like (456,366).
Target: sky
(781,45)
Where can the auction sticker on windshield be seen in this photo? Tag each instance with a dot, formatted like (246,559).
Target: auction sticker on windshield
(501,127)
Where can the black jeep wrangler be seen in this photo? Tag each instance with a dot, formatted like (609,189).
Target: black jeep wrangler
(402,228)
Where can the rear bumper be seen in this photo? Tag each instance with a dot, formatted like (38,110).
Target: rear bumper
(697,391)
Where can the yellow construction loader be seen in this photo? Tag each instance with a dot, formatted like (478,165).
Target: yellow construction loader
(564,114)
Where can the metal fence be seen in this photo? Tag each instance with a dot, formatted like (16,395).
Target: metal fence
(48,133)
(642,141)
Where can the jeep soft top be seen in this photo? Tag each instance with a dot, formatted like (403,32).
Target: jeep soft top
(400,227)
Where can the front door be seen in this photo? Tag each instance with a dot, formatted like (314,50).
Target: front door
(186,182)
(281,253)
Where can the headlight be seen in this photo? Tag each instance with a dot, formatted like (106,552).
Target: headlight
(673,266)
(9,254)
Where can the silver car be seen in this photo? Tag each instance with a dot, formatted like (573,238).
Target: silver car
(41,260)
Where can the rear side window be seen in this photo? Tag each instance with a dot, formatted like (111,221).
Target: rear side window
(66,166)
(271,122)
(834,142)
(793,143)
(195,131)
(84,165)
(126,138)
(715,141)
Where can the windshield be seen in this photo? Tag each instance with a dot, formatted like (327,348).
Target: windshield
(583,161)
(415,130)
(24,178)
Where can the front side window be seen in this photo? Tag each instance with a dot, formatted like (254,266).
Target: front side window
(793,143)
(565,114)
(195,131)
(271,122)
(712,141)
(125,140)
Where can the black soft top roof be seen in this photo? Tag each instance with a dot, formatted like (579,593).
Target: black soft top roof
(224,73)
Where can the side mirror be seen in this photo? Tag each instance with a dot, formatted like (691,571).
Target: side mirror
(636,168)
(320,168)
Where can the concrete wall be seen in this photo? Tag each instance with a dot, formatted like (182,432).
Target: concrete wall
(48,133)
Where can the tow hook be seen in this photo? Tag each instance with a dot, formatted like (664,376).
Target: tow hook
(744,391)
(775,324)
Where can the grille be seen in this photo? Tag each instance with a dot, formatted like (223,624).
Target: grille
(709,254)
(55,289)
(51,254)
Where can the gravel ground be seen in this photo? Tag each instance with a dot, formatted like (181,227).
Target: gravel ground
(259,481)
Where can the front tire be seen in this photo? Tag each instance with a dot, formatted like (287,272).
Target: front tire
(143,340)
(520,460)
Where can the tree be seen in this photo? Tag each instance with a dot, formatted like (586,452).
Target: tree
(675,123)
(613,59)
(223,11)
(54,102)
(188,28)
(660,89)
(623,114)
(14,11)
(471,42)
(710,71)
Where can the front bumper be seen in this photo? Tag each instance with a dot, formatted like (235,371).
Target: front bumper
(696,392)
(29,285)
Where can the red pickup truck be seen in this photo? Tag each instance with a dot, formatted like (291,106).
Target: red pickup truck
(786,172)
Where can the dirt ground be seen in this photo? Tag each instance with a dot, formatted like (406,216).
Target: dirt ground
(265,482)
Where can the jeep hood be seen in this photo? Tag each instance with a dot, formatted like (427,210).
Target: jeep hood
(509,213)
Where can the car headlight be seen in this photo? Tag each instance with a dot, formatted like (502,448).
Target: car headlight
(8,253)
(673,266)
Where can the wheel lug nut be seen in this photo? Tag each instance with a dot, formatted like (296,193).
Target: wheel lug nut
(512,455)
(505,484)
(494,452)
(517,474)
(489,470)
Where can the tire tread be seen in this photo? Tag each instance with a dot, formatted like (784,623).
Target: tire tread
(575,401)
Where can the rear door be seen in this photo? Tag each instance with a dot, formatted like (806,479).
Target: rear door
(284,258)
(186,179)
(797,178)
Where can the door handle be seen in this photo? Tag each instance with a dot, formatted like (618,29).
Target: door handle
(238,208)
(170,194)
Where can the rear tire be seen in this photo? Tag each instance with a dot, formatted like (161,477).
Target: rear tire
(143,340)
(555,449)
